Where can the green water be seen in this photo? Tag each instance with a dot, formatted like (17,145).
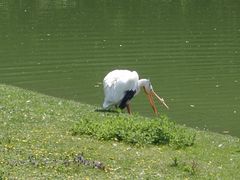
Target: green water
(189,49)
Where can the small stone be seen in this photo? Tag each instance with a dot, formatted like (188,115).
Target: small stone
(220,145)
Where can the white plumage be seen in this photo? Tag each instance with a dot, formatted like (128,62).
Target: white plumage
(121,85)
(116,83)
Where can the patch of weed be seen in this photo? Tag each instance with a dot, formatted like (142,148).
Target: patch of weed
(175,162)
(134,130)
(190,167)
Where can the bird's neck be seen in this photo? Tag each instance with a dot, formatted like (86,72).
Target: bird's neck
(142,82)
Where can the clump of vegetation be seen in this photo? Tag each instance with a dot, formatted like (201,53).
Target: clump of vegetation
(189,167)
(175,162)
(134,130)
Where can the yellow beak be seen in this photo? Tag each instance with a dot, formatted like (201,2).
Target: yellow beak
(150,98)
(161,100)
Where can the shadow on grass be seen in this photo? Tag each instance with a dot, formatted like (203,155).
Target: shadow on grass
(107,110)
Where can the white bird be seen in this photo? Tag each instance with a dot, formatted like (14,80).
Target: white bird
(120,86)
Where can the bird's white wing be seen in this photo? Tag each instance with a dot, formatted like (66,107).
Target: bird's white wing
(116,83)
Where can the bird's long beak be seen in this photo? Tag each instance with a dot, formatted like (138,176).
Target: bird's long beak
(161,100)
(150,98)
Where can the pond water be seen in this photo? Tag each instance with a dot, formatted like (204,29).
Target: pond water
(189,49)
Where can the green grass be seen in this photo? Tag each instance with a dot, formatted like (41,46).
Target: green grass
(135,130)
(45,137)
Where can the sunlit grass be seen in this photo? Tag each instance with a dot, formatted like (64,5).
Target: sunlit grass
(37,142)
(135,130)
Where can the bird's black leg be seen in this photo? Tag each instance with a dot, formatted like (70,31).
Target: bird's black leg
(129,109)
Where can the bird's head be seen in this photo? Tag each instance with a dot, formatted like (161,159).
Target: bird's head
(148,89)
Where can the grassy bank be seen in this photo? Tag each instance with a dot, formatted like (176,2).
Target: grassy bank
(45,137)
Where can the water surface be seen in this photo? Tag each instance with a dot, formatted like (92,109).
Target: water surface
(189,49)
